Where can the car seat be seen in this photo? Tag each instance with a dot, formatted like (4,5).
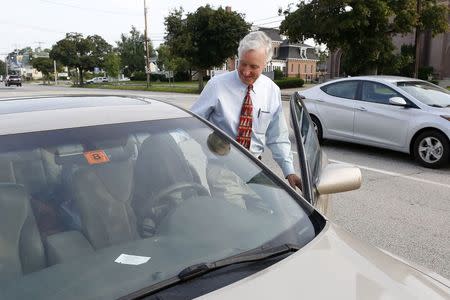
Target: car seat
(21,248)
(102,193)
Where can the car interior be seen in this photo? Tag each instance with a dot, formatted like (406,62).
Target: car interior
(57,204)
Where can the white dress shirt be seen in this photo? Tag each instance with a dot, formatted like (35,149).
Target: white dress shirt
(221,103)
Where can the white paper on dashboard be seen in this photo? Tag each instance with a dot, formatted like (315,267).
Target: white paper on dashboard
(132,259)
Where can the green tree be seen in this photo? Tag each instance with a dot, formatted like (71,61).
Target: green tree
(112,64)
(43,65)
(2,68)
(132,53)
(205,38)
(167,61)
(81,53)
(364,32)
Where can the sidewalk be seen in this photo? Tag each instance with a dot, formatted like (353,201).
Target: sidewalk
(287,93)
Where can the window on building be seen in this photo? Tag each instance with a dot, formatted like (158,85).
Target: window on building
(292,67)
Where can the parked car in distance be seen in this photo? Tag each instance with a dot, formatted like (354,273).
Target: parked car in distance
(13,80)
(97,80)
(117,197)
(397,113)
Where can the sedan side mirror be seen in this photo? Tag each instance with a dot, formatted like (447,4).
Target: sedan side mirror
(398,101)
(337,178)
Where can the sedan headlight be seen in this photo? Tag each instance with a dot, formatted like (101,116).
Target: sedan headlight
(446,117)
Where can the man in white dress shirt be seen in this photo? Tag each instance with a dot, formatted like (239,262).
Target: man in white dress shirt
(221,102)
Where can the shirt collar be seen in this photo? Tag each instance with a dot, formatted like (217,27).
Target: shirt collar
(244,86)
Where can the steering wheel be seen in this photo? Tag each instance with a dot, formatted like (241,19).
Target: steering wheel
(200,189)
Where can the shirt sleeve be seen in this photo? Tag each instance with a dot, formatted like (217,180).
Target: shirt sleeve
(205,104)
(277,136)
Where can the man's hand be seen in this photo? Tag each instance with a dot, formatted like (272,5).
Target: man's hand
(294,181)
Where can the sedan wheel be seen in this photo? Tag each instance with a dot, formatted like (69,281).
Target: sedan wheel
(431,149)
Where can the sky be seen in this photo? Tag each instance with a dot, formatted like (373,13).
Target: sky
(41,23)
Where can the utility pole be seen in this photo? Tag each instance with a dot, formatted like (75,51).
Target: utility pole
(417,43)
(56,74)
(147,60)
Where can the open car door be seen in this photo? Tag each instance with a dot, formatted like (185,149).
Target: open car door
(319,178)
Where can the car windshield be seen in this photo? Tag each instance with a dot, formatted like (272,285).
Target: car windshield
(426,93)
(99,212)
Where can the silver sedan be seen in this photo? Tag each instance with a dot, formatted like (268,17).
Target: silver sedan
(397,113)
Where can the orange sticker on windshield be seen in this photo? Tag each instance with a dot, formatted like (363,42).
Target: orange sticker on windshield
(96,157)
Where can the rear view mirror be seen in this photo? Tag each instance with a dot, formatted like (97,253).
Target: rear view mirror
(337,178)
(399,101)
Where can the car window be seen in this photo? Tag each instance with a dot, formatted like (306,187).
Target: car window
(106,210)
(311,146)
(377,93)
(346,89)
(426,93)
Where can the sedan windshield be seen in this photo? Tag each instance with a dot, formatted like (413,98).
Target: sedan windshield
(100,212)
(426,93)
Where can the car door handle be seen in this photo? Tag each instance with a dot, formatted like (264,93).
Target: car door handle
(318,100)
(361,108)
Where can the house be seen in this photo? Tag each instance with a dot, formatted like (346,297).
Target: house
(293,59)
(300,60)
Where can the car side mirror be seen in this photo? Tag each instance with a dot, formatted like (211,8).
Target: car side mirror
(398,101)
(338,178)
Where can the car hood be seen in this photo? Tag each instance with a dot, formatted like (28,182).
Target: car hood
(437,110)
(337,266)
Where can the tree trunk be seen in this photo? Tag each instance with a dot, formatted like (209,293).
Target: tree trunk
(200,80)
(80,70)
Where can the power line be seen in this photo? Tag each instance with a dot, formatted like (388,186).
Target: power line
(268,23)
(267,19)
(31,26)
(91,10)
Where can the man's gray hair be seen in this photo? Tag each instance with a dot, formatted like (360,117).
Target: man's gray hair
(256,40)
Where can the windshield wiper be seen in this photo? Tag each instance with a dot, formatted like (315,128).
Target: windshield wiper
(197,270)
(257,254)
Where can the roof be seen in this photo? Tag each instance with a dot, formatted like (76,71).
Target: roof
(273,33)
(49,113)
(287,51)
(287,43)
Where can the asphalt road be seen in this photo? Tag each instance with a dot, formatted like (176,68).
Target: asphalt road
(401,207)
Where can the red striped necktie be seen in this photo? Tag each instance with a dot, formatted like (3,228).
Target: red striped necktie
(244,133)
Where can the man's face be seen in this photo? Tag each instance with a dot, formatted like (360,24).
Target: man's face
(251,65)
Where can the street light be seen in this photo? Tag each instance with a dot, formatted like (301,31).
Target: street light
(417,44)
(147,61)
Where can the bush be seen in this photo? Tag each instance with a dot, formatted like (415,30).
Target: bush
(139,76)
(425,72)
(278,74)
(157,77)
(289,83)
(182,76)
(433,81)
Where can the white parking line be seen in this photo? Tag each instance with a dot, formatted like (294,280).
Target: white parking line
(390,173)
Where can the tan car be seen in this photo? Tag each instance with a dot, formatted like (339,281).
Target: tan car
(107,197)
